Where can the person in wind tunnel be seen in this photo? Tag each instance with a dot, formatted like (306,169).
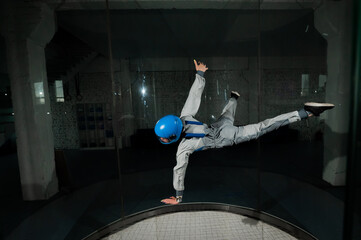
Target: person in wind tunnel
(196,136)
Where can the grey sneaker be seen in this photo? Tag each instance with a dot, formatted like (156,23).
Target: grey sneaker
(317,108)
(235,95)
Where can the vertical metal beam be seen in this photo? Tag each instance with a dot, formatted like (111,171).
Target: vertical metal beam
(259,68)
(352,167)
(115,96)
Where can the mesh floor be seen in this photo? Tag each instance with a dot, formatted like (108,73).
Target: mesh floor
(200,225)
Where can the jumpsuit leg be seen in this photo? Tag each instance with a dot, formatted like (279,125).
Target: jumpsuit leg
(254,131)
(229,134)
(227,115)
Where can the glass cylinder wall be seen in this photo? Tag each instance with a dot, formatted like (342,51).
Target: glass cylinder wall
(84,83)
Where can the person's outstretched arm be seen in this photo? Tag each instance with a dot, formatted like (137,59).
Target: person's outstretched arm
(185,149)
(179,172)
(194,97)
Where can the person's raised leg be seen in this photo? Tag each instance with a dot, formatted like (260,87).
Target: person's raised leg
(253,131)
(228,112)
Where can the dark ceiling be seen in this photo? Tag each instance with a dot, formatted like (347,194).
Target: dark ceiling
(189,33)
(180,33)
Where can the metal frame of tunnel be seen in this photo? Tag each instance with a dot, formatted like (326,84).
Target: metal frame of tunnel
(279,223)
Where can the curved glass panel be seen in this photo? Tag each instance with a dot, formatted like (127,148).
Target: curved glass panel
(303,164)
(157,57)
(156,45)
(62,170)
(352,204)
(84,83)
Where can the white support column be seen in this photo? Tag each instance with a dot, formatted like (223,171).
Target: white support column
(333,21)
(27,28)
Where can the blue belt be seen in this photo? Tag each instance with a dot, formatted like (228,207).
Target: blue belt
(193,123)
(197,135)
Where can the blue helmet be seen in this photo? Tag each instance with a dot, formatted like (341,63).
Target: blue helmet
(169,127)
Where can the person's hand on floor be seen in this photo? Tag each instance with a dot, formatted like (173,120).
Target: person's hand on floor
(172,200)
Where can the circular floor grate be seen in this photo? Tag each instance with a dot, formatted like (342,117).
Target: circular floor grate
(200,221)
(200,225)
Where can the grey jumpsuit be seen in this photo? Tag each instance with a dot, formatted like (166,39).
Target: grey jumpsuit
(219,134)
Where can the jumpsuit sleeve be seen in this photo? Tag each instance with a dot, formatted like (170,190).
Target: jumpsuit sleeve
(194,97)
(179,171)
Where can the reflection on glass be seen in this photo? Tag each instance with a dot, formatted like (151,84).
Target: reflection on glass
(39,92)
(322,83)
(94,125)
(305,85)
(143,91)
(59,92)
